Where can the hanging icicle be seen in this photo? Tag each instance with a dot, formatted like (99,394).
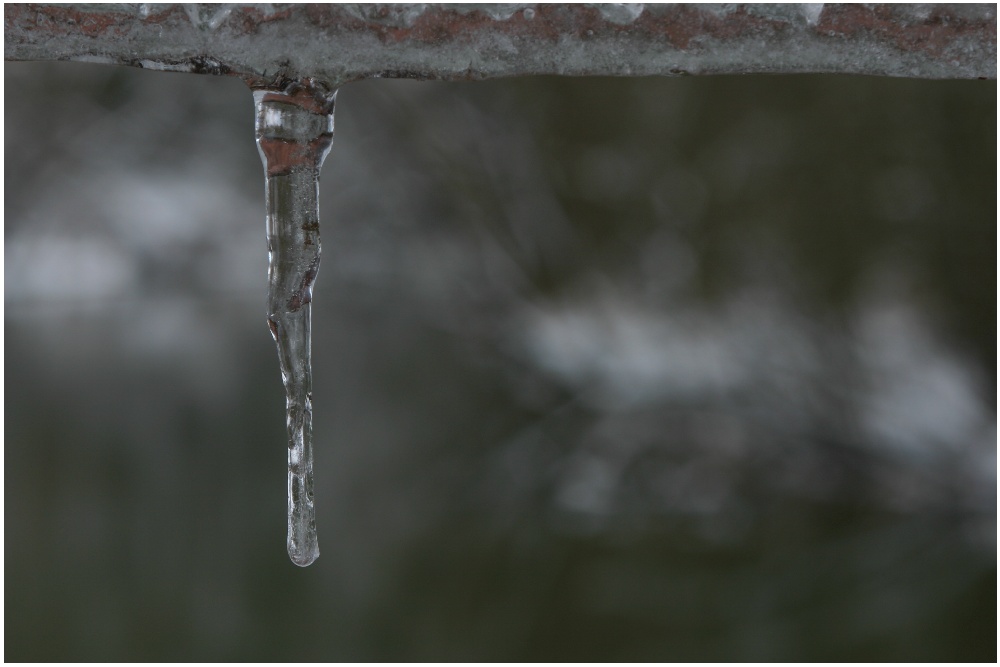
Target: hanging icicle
(294,128)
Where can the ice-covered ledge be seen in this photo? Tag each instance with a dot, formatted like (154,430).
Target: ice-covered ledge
(267,43)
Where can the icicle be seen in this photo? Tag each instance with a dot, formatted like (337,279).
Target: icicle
(294,130)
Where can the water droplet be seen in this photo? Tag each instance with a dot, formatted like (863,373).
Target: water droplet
(529,13)
(294,130)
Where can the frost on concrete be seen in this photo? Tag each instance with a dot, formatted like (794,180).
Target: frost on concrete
(269,43)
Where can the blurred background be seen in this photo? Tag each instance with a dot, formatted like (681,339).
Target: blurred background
(606,369)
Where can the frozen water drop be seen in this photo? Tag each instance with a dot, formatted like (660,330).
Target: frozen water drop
(499,12)
(208,16)
(811,11)
(529,13)
(621,13)
(294,130)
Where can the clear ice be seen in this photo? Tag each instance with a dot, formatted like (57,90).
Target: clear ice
(294,130)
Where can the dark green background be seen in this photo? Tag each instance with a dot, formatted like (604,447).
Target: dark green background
(634,369)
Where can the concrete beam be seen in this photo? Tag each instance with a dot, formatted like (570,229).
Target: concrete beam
(268,44)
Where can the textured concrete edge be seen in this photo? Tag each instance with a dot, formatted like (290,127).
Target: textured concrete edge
(266,45)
